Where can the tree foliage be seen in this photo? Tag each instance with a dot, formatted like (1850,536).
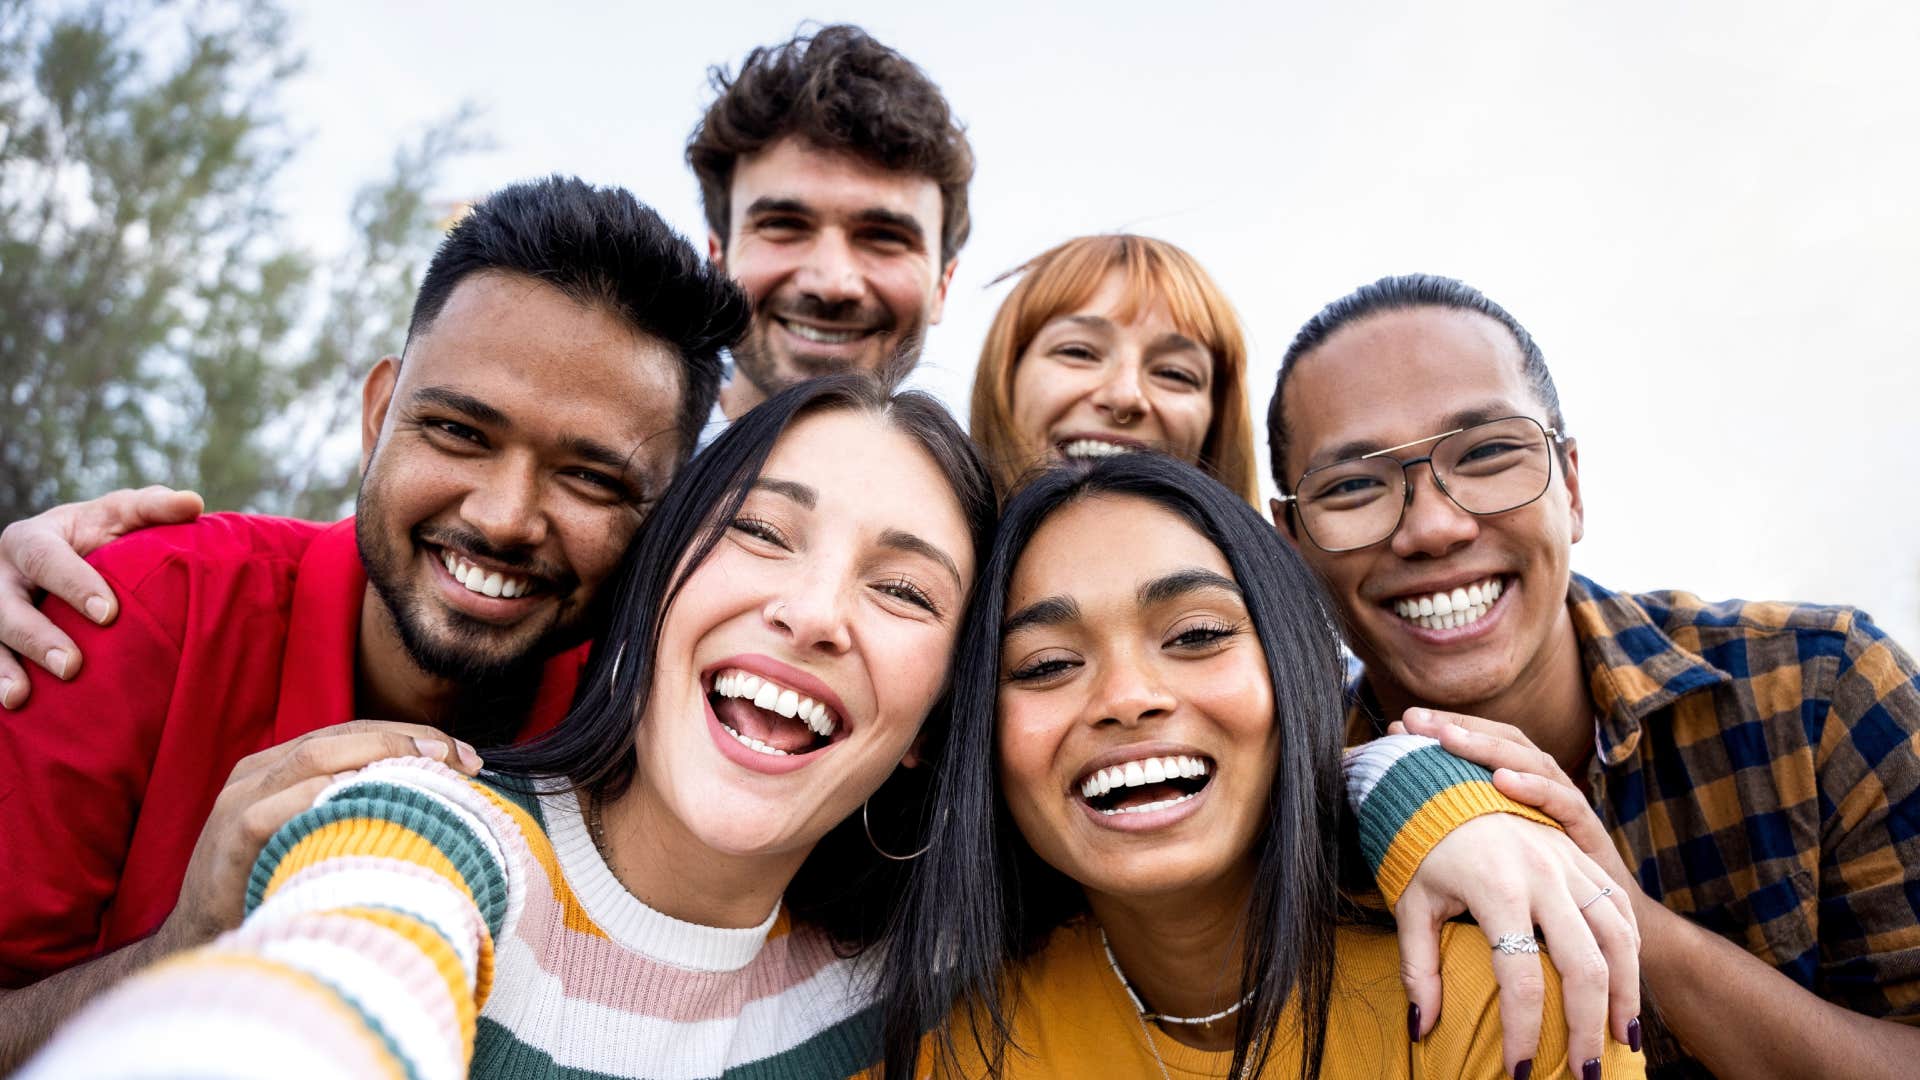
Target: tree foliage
(155,324)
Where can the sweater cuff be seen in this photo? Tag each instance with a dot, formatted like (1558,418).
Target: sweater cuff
(1407,794)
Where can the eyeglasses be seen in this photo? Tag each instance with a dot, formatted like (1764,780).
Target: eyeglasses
(1485,469)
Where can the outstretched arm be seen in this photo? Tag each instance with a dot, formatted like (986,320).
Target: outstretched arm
(45,553)
(366,950)
(1443,841)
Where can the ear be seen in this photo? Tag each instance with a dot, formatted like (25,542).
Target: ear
(940,292)
(911,759)
(1578,508)
(716,250)
(375,397)
(1282,524)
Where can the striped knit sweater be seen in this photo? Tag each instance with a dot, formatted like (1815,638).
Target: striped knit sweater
(415,923)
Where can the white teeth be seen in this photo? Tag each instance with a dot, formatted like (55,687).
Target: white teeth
(756,745)
(1086,448)
(824,337)
(1144,807)
(776,698)
(481,581)
(1141,772)
(1457,607)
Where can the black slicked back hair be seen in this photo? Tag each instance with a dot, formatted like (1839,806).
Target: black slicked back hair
(604,248)
(1401,293)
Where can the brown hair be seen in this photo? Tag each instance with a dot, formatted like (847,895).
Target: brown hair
(838,89)
(1063,278)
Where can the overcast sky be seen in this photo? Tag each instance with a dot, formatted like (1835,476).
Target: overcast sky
(1706,214)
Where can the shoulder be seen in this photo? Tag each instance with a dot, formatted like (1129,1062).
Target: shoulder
(243,543)
(1684,615)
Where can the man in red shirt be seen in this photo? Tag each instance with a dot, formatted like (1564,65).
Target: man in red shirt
(562,356)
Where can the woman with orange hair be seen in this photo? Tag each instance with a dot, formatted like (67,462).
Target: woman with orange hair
(1109,344)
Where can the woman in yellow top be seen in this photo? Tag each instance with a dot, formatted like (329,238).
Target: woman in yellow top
(1147,709)
(1110,343)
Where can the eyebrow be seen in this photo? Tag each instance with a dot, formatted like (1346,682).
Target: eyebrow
(578,446)
(872,215)
(1462,418)
(1185,582)
(1052,611)
(901,540)
(1173,341)
(799,493)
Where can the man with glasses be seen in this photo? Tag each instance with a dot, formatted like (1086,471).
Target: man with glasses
(1746,772)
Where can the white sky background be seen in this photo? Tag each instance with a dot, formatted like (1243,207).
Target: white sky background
(1706,214)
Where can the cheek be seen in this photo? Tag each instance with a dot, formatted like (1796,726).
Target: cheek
(1187,417)
(1043,392)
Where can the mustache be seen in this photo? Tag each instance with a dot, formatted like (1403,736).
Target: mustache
(850,312)
(521,560)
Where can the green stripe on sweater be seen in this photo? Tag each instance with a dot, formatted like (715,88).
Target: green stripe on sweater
(1411,783)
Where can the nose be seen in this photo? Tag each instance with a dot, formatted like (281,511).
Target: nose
(504,505)
(812,616)
(831,271)
(1130,693)
(1432,524)
(1119,395)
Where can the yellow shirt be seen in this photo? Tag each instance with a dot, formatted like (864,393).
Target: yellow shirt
(1074,1020)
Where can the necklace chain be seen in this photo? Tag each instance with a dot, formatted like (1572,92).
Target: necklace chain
(1163,1018)
(597,832)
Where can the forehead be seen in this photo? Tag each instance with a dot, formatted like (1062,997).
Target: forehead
(1398,376)
(1072,553)
(870,475)
(548,361)
(831,184)
(1120,301)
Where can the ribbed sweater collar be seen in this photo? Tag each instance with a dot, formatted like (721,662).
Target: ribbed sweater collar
(631,923)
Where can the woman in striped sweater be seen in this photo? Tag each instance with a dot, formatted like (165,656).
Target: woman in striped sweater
(686,888)
(1154,730)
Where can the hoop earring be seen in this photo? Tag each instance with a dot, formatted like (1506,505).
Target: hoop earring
(613,679)
(867,823)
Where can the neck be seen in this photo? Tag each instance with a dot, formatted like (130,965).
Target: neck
(738,394)
(1181,953)
(388,685)
(1548,702)
(673,872)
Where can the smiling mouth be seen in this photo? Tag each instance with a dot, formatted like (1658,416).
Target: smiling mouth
(476,579)
(1095,448)
(1152,783)
(1453,608)
(768,718)
(822,336)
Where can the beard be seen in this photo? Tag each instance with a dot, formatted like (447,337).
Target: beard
(497,668)
(771,369)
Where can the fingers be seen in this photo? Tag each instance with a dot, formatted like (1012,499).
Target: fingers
(261,820)
(1426,721)
(34,557)
(1489,750)
(1585,984)
(1419,930)
(1523,987)
(345,751)
(14,685)
(1559,802)
(1619,941)
(160,505)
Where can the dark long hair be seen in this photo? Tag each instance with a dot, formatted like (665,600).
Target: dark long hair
(980,901)
(844,886)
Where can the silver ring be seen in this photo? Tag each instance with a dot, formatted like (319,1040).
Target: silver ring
(1607,891)
(1516,944)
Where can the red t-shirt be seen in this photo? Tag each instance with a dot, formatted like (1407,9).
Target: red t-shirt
(236,632)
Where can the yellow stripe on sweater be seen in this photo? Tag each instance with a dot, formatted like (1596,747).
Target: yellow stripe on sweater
(572,914)
(422,935)
(365,837)
(1438,816)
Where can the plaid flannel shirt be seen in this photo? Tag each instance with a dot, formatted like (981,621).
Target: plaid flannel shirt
(1758,765)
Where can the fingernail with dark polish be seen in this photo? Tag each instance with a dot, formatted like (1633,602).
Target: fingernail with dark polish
(1524,1070)
(1591,1070)
(1633,1034)
(1413,1022)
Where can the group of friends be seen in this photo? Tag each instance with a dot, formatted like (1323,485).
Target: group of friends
(683,699)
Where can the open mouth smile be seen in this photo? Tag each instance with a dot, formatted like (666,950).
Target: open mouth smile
(820,335)
(478,579)
(1145,784)
(1452,609)
(766,724)
(1096,446)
